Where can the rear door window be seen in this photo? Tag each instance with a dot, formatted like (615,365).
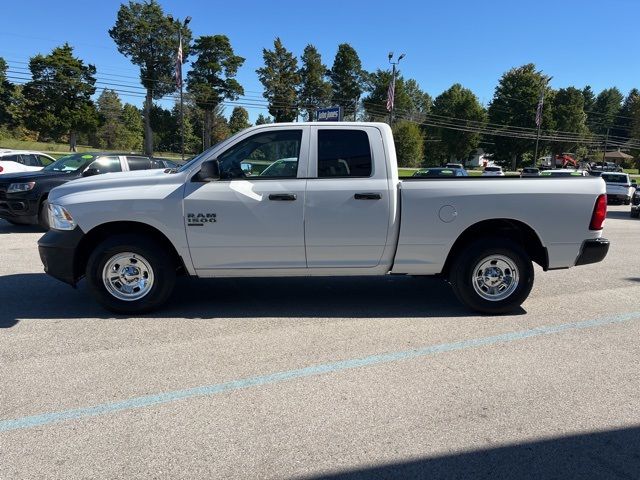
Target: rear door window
(140,163)
(344,153)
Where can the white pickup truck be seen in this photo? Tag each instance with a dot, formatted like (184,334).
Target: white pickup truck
(332,205)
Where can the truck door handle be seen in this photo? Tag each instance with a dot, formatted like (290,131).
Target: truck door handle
(282,197)
(367,196)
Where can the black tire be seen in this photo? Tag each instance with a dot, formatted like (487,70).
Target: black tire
(43,215)
(461,275)
(162,263)
(635,213)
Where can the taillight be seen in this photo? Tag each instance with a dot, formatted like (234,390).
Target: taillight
(599,213)
(1,169)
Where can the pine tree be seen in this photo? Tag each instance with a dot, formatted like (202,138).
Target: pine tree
(315,91)
(347,79)
(280,79)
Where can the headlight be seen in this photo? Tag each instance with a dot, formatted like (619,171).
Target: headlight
(60,218)
(20,187)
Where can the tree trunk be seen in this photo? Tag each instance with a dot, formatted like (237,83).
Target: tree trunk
(148,133)
(208,126)
(73,141)
(514,162)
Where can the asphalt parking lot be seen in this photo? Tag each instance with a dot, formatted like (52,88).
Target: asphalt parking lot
(356,378)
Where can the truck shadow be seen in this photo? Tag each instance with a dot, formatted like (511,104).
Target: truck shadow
(7,228)
(620,215)
(611,454)
(38,296)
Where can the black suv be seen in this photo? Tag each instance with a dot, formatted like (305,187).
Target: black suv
(23,196)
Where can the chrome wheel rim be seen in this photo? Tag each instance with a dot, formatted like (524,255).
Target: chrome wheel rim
(128,276)
(495,278)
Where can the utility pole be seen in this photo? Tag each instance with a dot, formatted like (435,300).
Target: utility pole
(181,25)
(391,100)
(539,122)
(606,142)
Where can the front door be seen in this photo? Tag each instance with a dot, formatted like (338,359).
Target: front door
(253,216)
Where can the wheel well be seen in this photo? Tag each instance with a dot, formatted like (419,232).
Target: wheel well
(101,232)
(514,230)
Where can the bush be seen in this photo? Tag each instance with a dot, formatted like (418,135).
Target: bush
(409,144)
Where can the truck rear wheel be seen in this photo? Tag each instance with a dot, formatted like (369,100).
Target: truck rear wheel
(492,275)
(130,274)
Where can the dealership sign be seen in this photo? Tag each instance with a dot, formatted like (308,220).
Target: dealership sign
(331,114)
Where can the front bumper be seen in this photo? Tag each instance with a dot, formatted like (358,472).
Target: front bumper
(593,251)
(58,252)
(18,207)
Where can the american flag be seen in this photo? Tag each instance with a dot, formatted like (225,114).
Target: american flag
(179,66)
(539,112)
(390,95)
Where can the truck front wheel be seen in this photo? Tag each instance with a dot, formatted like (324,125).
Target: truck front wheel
(130,274)
(492,275)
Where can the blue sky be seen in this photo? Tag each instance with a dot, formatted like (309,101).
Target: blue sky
(588,42)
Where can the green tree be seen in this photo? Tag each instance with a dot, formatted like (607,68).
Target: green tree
(132,134)
(262,120)
(59,95)
(149,38)
(459,103)
(420,102)
(315,91)
(375,103)
(109,113)
(605,110)
(239,120)
(569,116)
(211,80)
(347,79)
(280,79)
(6,96)
(624,120)
(514,104)
(409,144)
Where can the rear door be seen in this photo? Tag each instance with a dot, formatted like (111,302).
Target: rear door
(347,208)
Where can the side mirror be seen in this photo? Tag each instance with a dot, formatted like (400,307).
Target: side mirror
(89,172)
(209,171)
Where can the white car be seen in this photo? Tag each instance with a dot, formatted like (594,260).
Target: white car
(564,172)
(493,171)
(619,189)
(16,161)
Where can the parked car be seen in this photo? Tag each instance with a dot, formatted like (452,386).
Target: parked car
(564,172)
(455,165)
(635,203)
(492,171)
(530,172)
(619,188)
(14,161)
(23,196)
(130,235)
(441,172)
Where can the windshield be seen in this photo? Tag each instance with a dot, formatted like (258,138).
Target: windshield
(70,163)
(609,178)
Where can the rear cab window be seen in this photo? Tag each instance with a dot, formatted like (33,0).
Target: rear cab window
(344,154)
(616,178)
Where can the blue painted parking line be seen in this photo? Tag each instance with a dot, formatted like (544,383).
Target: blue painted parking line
(210,390)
